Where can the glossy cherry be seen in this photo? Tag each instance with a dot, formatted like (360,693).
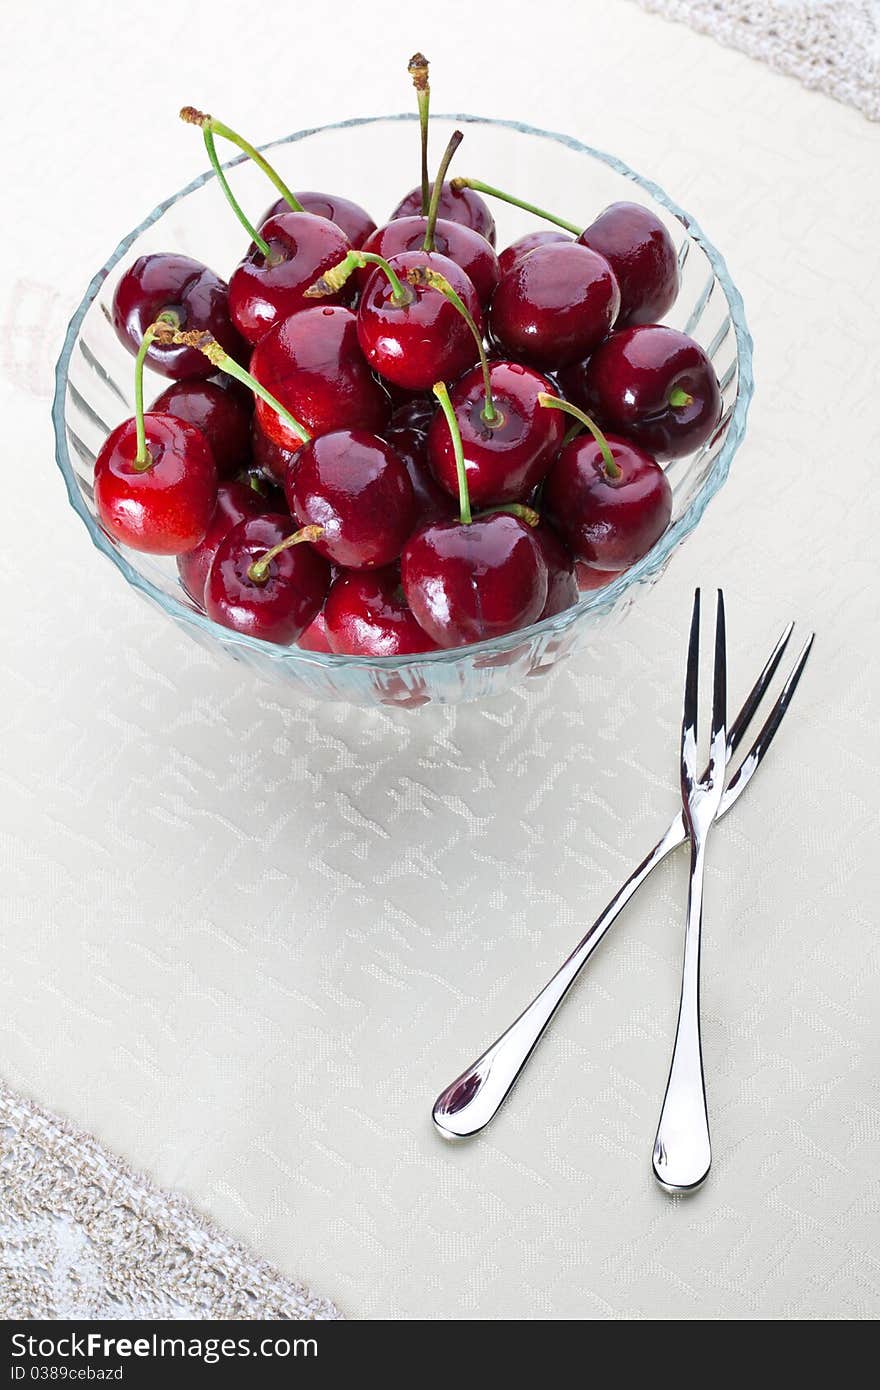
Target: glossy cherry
(277,605)
(162,505)
(268,456)
(350,217)
(366,614)
(657,386)
(562,589)
(353,485)
(589,578)
(505,457)
(433,503)
(166,282)
(518,250)
(265,289)
(455,205)
(555,305)
(315,638)
(312,363)
(415,342)
(640,251)
(235,502)
(223,415)
(461,244)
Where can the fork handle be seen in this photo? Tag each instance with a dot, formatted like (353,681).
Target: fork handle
(682,1149)
(469,1103)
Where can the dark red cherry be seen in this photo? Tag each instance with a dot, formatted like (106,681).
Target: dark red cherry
(264,291)
(268,456)
(589,579)
(426,339)
(164,508)
(350,217)
(279,607)
(467,248)
(222,415)
(608,522)
(433,503)
(265,485)
(235,502)
(555,305)
(518,250)
(468,583)
(416,412)
(562,589)
(312,363)
(353,485)
(640,251)
(366,614)
(504,460)
(456,205)
(315,639)
(657,386)
(164,281)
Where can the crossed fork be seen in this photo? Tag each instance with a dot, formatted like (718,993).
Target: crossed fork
(682,1151)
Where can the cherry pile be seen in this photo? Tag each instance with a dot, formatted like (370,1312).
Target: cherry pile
(387,440)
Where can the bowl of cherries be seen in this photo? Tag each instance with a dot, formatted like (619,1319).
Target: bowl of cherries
(404,461)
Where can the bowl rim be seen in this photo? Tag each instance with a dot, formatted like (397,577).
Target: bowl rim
(597,601)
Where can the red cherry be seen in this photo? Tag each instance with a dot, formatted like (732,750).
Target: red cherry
(367,614)
(562,589)
(417,343)
(640,251)
(262,291)
(279,607)
(657,386)
(456,205)
(506,460)
(312,363)
(315,639)
(166,507)
(589,579)
(269,456)
(608,522)
(163,282)
(353,485)
(555,305)
(467,248)
(223,416)
(235,502)
(518,250)
(349,217)
(433,503)
(468,583)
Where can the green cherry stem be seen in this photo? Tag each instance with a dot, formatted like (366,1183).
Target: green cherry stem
(210,123)
(418,71)
(224,363)
(166,321)
(479,187)
(423,275)
(526,514)
(679,398)
(334,278)
(612,468)
(455,140)
(231,199)
(464,500)
(258,572)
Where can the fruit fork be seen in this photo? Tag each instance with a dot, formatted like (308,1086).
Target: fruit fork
(682,1148)
(474,1098)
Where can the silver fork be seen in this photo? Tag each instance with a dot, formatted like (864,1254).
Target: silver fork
(682,1149)
(469,1103)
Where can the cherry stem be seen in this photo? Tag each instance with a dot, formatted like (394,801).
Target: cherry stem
(679,398)
(455,140)
(612,468)
(418,71)
(215,127)
(258,572)
(231,199)
(479,187)
(464,499)
(334,278)
(526,514)
(167,319)
(215,354)
(423,275)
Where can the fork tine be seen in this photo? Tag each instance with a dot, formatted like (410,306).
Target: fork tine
(691,700)
(751,762)
(719,686)
(752,701)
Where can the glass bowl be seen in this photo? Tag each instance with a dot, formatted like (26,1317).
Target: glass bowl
(374,161)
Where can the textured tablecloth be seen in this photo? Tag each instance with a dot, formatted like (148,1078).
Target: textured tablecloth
(246,939)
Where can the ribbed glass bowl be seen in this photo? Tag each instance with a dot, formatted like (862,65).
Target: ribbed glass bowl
(374,161)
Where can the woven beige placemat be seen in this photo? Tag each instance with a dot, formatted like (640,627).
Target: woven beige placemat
(834,48)
(82,1236)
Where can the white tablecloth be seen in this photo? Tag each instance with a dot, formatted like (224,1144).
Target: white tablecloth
(246,939)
